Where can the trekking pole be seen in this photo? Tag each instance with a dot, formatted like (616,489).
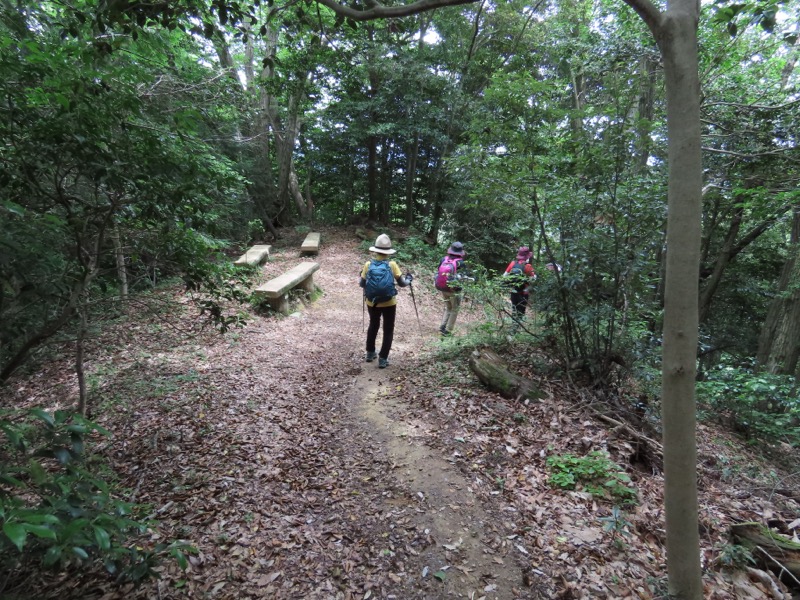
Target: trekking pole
(363,309)
(414,300)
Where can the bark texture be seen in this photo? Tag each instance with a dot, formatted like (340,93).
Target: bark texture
(495,374)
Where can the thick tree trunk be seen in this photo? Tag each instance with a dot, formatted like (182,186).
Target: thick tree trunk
(779,342)
(494,374)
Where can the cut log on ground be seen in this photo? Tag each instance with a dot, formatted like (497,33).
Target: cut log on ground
(495,374)
(771,550)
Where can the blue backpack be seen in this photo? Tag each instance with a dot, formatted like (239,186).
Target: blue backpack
(380,282)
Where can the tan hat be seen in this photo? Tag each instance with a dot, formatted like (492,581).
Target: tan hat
(383,245)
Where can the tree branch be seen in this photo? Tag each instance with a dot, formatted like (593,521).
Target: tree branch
(377,10)
(649,13)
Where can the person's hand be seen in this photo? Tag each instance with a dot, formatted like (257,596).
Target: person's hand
(409,277)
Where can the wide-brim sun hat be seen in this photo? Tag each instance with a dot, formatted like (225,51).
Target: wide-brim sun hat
(524,253)
(456,249)
(383,245)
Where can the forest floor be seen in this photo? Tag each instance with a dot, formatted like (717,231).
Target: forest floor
(299,471)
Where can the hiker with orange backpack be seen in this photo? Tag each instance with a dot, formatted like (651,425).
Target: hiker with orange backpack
(378,278)
(518,275)
(451,269)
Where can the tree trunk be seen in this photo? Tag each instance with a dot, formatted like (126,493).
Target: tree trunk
(675,31)
(723,259)
(119,255)
(79,372)
(372,177)
(647,85)
(779,341)
(411,175)
(494,374)
(676,35)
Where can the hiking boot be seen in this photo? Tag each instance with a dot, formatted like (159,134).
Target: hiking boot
(383,363)
(445,333)
(371,356)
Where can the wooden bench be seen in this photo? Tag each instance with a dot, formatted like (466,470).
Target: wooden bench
(310,244)
(254,256)
(277,290)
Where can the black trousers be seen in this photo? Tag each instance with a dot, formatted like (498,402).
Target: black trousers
(375,313)
(520,303)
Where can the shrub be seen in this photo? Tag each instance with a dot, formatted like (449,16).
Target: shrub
(596,473)
(56,512)
(760,405)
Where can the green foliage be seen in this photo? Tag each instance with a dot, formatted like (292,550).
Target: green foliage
(105,160)
(616,523)
(759,405)
(735,556)
(57,511)
(415,249)
(595,473)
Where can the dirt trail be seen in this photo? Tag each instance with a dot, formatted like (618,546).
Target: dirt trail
(464,555)
(298,471)
(447,506)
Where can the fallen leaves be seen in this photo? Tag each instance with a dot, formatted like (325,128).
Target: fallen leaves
(247,446)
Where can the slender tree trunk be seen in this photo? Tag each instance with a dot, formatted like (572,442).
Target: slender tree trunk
(119,255)
(372,177)
(385,194)
(411,175)
(79,372)
(677,38)
(50,328)
(723,259)
(647,84)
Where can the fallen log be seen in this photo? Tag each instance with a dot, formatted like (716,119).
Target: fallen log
(771,550)
(494,374)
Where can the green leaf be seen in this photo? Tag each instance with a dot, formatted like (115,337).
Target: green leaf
(440,575)
(40,531)
(80,552)
(14,208)
(16,533)
(38,474)
(62,455)
(52,556)
(180,557)
(44,416)
(102,538)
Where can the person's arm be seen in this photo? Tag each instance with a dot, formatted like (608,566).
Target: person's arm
(402,280)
